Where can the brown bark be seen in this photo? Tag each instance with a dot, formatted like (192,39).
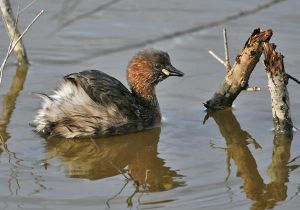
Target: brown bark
(277,82)
(237,78)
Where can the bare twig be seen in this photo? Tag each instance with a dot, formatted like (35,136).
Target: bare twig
(296,129)
(251,140)
(294,159)
(146,176)
(144,187)
(119,170)
(26,29)
(116,195)
(213,146)
(129,199)
(28,5)
(253,89)
(12,44)
(292,78)
(227,62)
(217,57)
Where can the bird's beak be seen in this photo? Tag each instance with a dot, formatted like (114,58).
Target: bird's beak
(172,71)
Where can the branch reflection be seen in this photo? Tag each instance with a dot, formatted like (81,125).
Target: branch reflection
(265,195)
(10,98)
(134,153)
(278,171)
(9,104)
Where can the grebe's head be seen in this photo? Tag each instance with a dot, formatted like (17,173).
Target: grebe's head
(147,68)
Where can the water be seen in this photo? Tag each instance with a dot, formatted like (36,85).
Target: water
(233,161)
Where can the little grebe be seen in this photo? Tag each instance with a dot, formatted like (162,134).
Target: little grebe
(92,103)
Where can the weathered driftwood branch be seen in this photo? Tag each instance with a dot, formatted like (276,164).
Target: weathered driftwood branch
(237,78)
(277,81)
(10,24)
(225,63)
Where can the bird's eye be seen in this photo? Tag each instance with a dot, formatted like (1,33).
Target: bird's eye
(157,65)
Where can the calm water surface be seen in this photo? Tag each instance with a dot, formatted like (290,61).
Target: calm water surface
(233,161)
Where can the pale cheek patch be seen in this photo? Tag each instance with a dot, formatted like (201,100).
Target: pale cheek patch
(166,72)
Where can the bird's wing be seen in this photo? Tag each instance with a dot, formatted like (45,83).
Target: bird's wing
(105,90)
